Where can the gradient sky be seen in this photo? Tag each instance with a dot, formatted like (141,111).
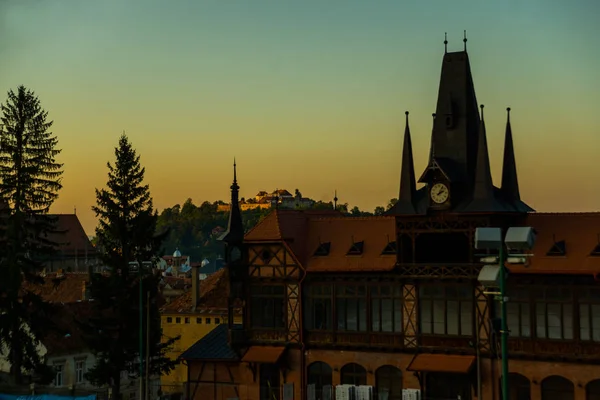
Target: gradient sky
(306,94)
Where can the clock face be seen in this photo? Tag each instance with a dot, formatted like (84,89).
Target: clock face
(235,254)
(439,193)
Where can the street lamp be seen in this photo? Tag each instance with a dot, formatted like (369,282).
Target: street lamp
(517,240)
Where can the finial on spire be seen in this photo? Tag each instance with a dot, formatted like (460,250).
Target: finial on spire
(481,106)
(465,39)
(75,210)
(508,114)
(234,171)
(406,113)
(335,199)
(446,42)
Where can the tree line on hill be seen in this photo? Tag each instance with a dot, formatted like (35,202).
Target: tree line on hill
(194,229)
(30,180)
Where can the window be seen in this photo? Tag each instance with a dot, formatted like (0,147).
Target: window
(518,312)
(353,374)
(386,308)
(320,375)
(187,320)
(169,320)
(267,303)
(208,321)
(351,307)
(589,314)
(217,321)
(446,309)
(178,320)
(388,380)
(319,311)
(79,370)
(58,375)
(554,313)
(557,387)
(198,320)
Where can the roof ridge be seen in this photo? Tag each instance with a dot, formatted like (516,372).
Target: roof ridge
(566,213)
(278,225)
(350,218)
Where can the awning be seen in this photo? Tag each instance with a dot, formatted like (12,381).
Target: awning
(263,354)
(441,363)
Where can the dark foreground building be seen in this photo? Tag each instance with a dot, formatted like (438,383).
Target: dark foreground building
(393,302)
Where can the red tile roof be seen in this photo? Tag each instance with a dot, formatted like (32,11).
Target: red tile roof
(580,231)
(68,337)
(60,288)
(341,233)
(289,226)
(214,292)
(74,240)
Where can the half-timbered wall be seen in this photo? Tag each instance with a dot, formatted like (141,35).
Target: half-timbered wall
(274,294)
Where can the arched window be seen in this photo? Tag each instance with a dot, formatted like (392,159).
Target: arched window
(353,374)
(557,388)
(519,387)
(592,390)
(319,374)
(388,379)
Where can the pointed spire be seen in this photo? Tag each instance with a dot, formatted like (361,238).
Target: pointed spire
(510,182)
(408,185)
(235,228)
(465,40)
(432,146)
(445,42)
(483,188)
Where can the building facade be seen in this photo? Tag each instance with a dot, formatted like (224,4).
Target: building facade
(393,302)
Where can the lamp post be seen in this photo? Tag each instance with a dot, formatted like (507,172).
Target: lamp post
(516,239)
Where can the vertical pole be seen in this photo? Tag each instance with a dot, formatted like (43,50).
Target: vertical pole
(141,332)
(504,327)
(147,397)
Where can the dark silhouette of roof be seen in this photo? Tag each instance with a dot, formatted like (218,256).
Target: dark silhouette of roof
(212,347)
(459,152)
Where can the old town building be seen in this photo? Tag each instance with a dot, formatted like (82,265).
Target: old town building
(393,302)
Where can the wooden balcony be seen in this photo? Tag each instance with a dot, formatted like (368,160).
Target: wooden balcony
(370,339)
(266,335)
(568,349)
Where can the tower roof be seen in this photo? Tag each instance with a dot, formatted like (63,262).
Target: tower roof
(408,185)
(235,227)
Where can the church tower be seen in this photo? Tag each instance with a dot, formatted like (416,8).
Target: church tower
(236,261)
(458,177)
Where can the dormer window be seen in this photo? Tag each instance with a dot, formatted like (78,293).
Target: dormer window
(390,249)
(323,249)
(356,249)
(558,249)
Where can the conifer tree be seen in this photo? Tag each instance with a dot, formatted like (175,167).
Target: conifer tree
(126,233)
(30,179)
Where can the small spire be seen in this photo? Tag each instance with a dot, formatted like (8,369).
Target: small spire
(406,197)
(432,148)
(508,115)
(75,210)
(446,42)
(481,106)
(335,200)
(465,39)
(234,171)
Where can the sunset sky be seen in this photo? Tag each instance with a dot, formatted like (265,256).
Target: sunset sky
(306,94)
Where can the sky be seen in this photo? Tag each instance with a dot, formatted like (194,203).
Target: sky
(304,94)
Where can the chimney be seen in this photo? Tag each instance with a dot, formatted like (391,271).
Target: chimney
(195,286)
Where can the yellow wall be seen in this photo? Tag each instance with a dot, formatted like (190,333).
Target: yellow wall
(191,328)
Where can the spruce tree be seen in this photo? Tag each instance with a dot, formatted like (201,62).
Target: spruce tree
(30,179)
(126,233)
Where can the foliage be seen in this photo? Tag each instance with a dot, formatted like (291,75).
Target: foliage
(30,179)
(126,233)
(194,230)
